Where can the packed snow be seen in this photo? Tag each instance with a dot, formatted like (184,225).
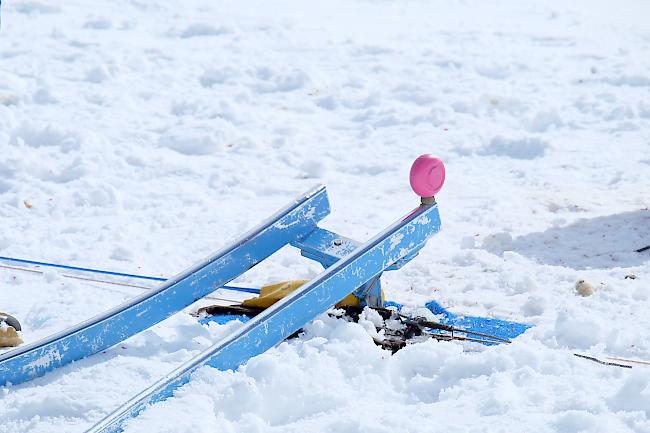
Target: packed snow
(141,136)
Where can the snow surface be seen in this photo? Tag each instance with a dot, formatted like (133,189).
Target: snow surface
(142,135)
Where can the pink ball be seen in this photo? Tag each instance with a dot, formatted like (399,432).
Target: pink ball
(427,175)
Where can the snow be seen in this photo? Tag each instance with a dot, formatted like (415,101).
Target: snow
(146,135)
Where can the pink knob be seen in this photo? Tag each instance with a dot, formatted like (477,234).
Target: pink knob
(427,175)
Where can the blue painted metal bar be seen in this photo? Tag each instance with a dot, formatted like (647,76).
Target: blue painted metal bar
(487,325)
(325,246)
(294,311)
(296,220)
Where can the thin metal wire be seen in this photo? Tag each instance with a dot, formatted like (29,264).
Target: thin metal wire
(77,268)
(117,283)
(104,272)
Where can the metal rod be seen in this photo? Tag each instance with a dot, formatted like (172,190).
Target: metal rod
(77,268)
(100,271)
(452,329)
(594,359)
(631,361)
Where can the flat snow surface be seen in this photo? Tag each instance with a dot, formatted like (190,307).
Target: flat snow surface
(142,135)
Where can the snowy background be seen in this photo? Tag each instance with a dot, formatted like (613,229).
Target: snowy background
(142,135)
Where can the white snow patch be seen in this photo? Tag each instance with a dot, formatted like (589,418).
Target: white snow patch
(148,135)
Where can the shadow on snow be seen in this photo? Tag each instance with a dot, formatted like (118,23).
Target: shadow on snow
(598,243)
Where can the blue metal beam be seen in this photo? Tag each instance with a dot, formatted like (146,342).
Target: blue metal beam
(294,221)
(294,311)
(325,246)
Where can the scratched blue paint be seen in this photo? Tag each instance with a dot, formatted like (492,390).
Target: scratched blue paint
(294,221)
(486,325)
(327,248)
(291,313)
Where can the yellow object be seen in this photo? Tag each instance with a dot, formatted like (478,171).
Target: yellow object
(349,301)
(9,337)
(272,293)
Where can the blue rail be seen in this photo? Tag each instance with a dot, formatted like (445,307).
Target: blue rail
(293,312)
(294,221)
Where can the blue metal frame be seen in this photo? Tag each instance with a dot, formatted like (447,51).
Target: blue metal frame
(351,267)
(356,268)
(327,248)
(497,327)
(295,221)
